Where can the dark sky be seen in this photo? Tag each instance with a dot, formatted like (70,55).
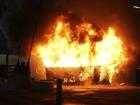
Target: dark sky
(20,19)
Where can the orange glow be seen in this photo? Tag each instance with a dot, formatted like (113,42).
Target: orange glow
(78,47)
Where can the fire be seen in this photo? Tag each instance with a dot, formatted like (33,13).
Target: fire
(110,54)
(82,46)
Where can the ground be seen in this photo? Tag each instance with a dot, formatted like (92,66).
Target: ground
(75,95)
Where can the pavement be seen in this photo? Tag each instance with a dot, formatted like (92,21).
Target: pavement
(75,95)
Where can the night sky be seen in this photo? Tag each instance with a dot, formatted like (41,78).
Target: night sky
(20,19)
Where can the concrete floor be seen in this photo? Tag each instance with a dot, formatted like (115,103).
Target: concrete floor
(102,95)
(75,95)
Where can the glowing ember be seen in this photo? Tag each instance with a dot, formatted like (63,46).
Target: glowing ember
(82,46)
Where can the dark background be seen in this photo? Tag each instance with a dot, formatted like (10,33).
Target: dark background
(21,19)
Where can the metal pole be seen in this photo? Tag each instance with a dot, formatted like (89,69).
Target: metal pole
(32,41)
(59,92)
(33,37)
(7,56)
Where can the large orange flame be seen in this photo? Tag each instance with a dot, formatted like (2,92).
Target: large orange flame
(79,47)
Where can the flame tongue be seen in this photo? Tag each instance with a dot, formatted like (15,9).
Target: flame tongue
(78,48)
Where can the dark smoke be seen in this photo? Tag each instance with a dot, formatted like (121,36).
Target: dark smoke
(19,17)
(19,20)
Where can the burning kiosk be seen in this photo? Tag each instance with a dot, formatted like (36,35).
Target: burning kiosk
(79,52)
